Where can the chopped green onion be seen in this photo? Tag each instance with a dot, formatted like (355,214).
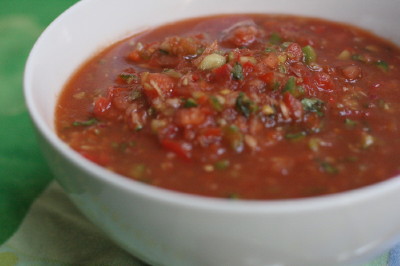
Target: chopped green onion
(215,103)
(275,38)
(276,85)
(382,65)
(282,68)
(162,51)
(189,103)
(383,104)
(268,50)
(314,144)
(135,94)
(290,85)
(358,57)
(138,171)
(350,123)
(234,137)
(313,105)
(237,71)
(172,73)
(89,122)
(128,77)
(212,61)
(286,45)
(344,55)
(296,136)
(328,168)
(221,165)
(233,196)
(244,105)
(310,56)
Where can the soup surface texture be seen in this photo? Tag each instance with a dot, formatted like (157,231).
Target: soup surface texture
(240,106)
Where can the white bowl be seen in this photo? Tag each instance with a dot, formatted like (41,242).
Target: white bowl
(168,228)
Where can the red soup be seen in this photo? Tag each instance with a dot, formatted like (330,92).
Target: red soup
(240,106)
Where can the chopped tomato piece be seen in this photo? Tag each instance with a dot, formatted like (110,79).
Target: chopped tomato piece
(294,52)
(268,77)
(223,73)
(192,116)
(324,81)
(157,84)
(242,35)
(294,105)
(101,106)
(134,56)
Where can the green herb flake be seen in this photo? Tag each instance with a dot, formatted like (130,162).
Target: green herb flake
(275,38)
(86,123)
(138,127)
(233,196)
(328,168)
(282,68)
(383,105)
(215,103)
(313,105)
(296,136)
(382,65)
(234,138)
(120,146)
(269,50)
(290,85)
(310,56)
(135,94)
(164,52)
(244,105)
(350,123)
(138,171)
(358,57)
(189,103)
(172,73)
(276,86)
(128,77)
(286,45)
(314,144)
(237,71)
(221,165)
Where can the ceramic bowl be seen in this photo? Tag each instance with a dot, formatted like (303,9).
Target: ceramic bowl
(167,228)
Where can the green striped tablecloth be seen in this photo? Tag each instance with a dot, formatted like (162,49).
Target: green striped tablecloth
(38,224)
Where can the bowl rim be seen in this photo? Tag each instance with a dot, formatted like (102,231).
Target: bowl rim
(354,196)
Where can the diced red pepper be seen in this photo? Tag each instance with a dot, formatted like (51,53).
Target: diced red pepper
(268,77)
(222,73)
(248,67)
(324,81)
(134,56)
(182,149)
(101,106)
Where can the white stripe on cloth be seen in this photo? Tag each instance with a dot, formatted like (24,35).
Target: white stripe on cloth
(54,232)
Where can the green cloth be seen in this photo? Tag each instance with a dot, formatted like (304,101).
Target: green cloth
(38,224)
(23,172)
